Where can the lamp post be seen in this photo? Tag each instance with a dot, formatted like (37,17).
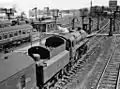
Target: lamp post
(99,12)
(110,32)
(111,24)
(73,23)
(35,9)
(55,15)
(116,11)
(90,20)
(82,15)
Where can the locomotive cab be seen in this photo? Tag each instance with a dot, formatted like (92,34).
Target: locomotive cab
(52,46)
(50,58)
(38,52)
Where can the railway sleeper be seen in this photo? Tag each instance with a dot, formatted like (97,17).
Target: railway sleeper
(108,79)
(113,64)
(108,83)
(112,71)
(104,87)
(112,68)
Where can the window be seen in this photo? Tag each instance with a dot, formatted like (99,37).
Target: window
(72,43)
(51,26)
(0,37)
(43,28)
(19,31)
(11,35)
(48,26)
(22,81)
(28,31)
(15,34)
(23,32)
(5,36)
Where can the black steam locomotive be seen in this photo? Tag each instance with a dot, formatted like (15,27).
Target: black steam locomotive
(44,64)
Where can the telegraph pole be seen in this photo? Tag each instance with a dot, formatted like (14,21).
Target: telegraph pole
(90,19)
(73,23)
(99,11)
(35,12)
(82,16)
(110,32)
(55,15)
(98,20)
(89,25)
(114,20)
(116,11)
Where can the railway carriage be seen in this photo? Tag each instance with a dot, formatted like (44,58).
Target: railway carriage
(14,35)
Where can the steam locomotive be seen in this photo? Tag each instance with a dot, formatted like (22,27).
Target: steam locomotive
(44,64)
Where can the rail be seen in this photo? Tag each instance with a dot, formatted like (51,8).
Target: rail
(101,29)
(118,76)
(102,74)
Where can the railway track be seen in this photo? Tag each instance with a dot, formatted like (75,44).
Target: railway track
(110,74)
(98,67)
(79,68)
(106,73)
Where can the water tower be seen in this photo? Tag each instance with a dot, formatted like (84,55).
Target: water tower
(113,4)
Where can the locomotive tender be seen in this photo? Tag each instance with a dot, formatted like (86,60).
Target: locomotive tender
(53,60)
(17,71)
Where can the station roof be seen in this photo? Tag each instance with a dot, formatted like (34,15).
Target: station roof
(44,21)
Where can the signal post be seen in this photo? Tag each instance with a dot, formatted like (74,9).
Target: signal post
(110,32)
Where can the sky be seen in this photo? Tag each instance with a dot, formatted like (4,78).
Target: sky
(25,5)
